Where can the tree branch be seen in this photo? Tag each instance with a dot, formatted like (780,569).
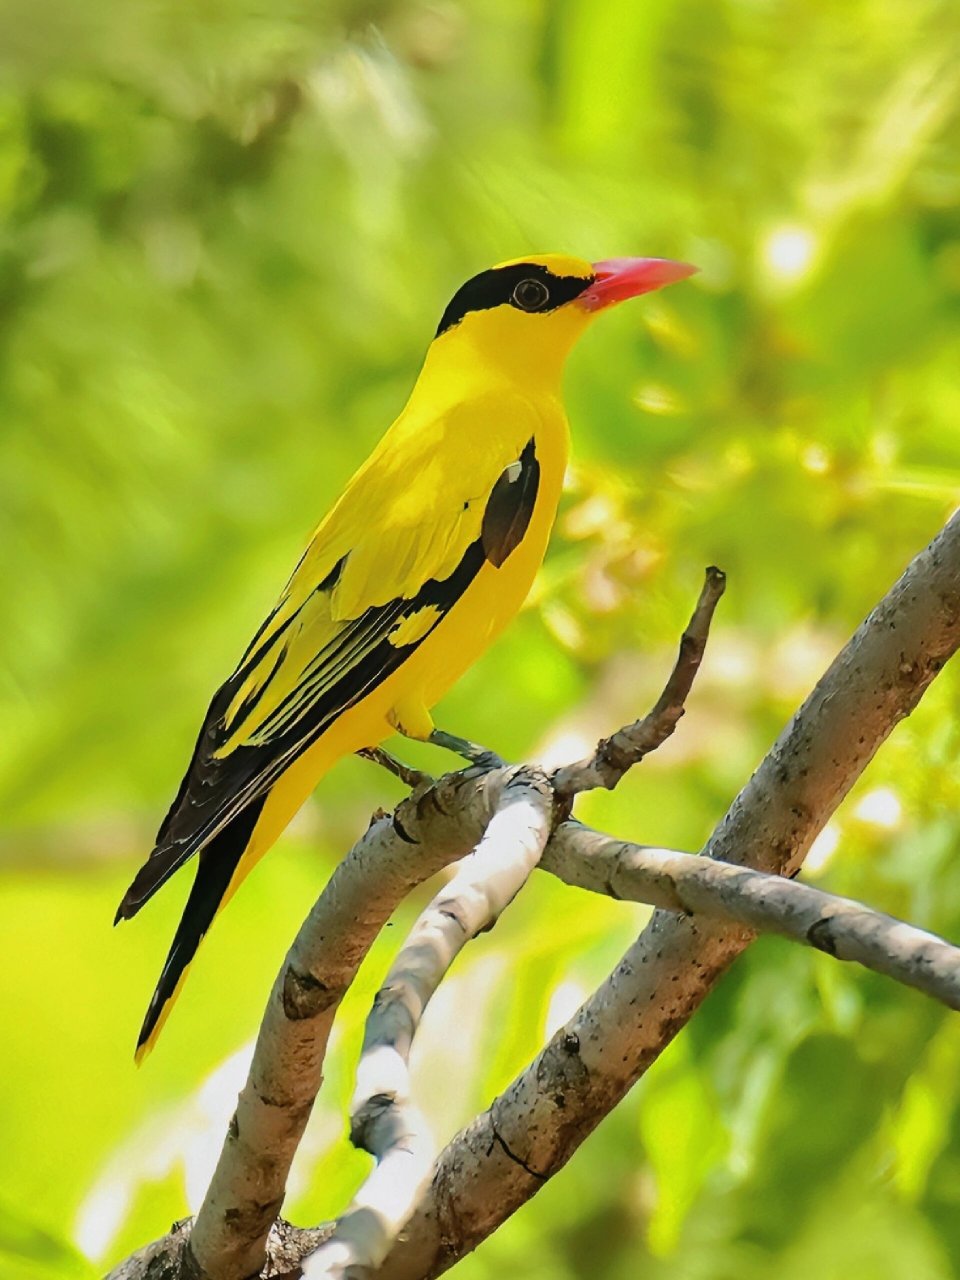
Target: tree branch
(693,885)
(618,753)
(230,1232)
(530,1131)
(383,1118)
(396,1133)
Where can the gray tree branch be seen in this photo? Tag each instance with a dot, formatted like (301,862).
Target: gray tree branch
(505,1155)
(764,903)
(627,747)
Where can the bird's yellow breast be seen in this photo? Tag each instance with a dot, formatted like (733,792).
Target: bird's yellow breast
(496,594)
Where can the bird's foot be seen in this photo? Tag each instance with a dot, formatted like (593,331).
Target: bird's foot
(406,773)
(470,751)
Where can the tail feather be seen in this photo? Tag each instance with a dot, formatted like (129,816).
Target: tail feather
(154,873)
(215,880)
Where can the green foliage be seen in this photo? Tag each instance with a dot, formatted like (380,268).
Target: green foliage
(28,1252)
(227,233)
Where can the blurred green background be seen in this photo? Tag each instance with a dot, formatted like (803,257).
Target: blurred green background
(228,230)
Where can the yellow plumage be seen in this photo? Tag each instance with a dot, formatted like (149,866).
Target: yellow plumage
(425,557)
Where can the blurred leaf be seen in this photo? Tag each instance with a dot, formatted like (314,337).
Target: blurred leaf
(28,1252)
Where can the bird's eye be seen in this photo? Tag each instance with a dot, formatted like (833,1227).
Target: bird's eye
(531,295)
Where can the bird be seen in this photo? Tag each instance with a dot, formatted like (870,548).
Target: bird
(422,561)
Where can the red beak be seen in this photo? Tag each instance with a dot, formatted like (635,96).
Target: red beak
(621,278)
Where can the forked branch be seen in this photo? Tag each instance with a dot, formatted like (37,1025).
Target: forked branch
(504,1156)
(528,1133)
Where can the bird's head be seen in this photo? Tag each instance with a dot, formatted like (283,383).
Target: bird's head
(520,318)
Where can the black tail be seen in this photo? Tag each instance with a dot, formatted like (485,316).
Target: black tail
(215,868)
(154,873)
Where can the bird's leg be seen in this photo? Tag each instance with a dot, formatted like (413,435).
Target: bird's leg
(411,719)
(470,751)
(406,773)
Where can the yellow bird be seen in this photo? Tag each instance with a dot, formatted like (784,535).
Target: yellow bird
(423,560)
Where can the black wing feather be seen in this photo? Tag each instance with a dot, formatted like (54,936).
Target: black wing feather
(510,506)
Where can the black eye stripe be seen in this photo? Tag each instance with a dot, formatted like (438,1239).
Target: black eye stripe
(495,288)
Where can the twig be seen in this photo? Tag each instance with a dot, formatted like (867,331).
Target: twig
(383,1118)
(618,753)
(765,903)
